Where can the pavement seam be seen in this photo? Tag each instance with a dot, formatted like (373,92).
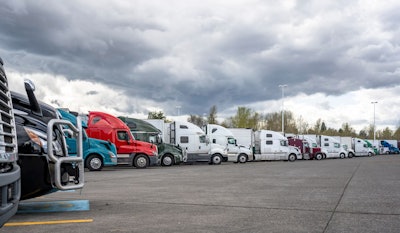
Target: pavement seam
(270,208)
(341,197)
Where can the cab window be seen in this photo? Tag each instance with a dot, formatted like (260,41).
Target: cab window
(122,135)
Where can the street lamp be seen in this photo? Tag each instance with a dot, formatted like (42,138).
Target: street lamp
(178,108)
(283,110)
(374,102)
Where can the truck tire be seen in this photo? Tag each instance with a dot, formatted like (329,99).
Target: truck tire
(369,154)
(167,160)
(351,155)
(141,161)
(291,157)
(318,156)
(216,159)
(342,155)
(242,158)
(94,163)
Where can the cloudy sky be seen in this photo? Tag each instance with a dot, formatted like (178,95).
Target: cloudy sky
(132,57)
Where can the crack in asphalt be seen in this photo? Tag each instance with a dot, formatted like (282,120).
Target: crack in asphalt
(341,197)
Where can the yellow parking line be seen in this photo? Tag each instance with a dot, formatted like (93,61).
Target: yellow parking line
(15,224)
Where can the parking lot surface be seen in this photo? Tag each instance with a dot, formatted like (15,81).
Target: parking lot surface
(337,195)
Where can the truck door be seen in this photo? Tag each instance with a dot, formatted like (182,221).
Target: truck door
(124,149)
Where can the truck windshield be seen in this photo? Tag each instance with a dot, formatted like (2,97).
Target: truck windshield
(202,139)
(231,141)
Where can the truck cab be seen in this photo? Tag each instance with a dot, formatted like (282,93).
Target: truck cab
(388,148)
(168,154)
(224,137)
(308,149)
(196,143)
(45,164)
(332,146)
(361,148)
(271,145)
(129,151)
(96,153)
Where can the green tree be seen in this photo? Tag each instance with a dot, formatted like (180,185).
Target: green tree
(386,133)
(212,116)
(396,134)
(347,130)
(273,121)
(323,127)
(156,115)
(197,120)
(245,118)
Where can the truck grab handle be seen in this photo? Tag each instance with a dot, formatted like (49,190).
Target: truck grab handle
(76,160)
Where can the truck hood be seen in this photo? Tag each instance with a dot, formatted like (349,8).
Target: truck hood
(102,144)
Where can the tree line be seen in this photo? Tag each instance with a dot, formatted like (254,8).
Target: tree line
(247,118)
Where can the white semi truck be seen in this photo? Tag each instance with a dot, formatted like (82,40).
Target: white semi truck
(330,145)
(271,145)
(193,139)
(224,137)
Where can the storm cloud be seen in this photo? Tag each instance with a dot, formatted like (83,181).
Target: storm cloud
(198,54)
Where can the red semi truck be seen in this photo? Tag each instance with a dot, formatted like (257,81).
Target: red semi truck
(308,151)
(129,151)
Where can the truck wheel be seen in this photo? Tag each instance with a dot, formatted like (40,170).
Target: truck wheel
(167,161)
(94,163)
(242,158)
(369,154)
(141,161)
(342,155)
(292,157)
(318,156)
(216,159)
(350,155)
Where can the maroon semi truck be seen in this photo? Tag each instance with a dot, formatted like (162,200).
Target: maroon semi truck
(308,151)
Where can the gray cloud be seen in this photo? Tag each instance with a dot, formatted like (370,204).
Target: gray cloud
(199,56)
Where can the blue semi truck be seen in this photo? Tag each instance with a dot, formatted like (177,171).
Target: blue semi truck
(388,148)
(96,153)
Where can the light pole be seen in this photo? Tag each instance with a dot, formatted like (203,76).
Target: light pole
(283,110)
(178,108)
(374,102)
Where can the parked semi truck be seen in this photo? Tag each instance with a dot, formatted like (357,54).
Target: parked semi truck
(131,152)
(96,153)
(271,145)
(332,146)
(224,137)
(10,173)
(361,147)
(45,164)
(33,160)
(168,154)
(388,148)
(308,149)
(193,139)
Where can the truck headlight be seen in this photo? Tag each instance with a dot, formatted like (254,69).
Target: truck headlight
(111,154)
(40,139)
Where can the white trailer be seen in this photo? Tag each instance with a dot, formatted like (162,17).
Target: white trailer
(244,137)
(191,138)
(224,137)
(271,145)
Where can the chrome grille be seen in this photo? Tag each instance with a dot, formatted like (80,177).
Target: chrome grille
(8,139)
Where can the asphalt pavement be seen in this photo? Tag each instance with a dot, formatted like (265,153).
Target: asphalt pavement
(336,195)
